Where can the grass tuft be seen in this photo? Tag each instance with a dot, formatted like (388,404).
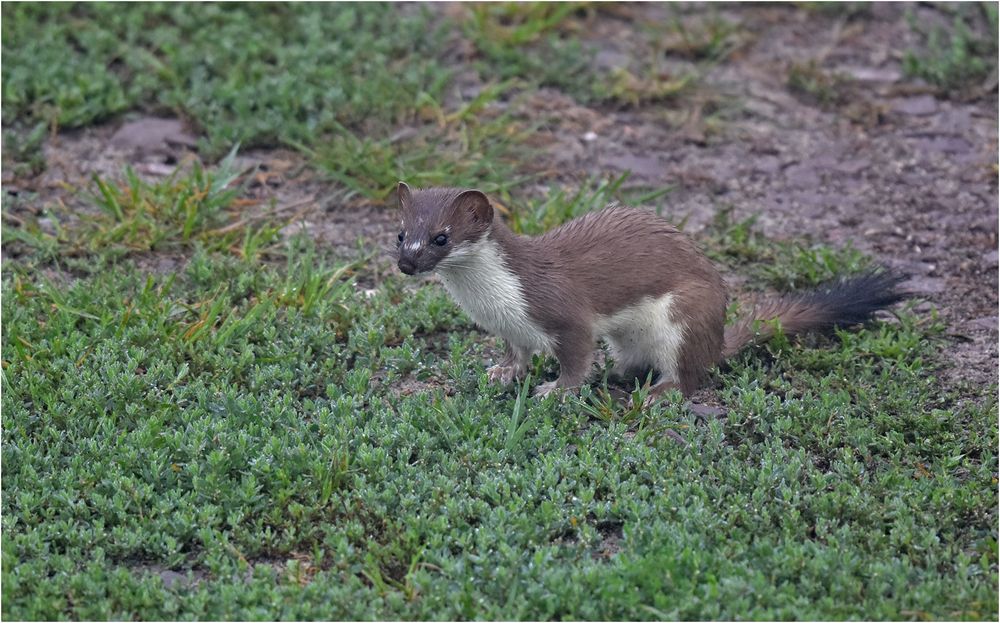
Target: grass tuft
(827,89)
(256,74)
(961,57)
(783,264)
(475,145)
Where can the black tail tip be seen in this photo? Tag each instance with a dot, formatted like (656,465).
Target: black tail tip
(877,281)
(854,299)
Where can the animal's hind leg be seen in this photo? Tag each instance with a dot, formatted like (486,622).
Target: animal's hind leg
(666,361)
(663,384)
(638,367)
(623,367)
(686,374)
(661,387)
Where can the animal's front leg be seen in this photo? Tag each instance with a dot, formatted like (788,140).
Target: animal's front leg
(511,367)
(575,354)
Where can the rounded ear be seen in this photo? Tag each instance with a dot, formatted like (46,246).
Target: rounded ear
(403,194)
(476,204)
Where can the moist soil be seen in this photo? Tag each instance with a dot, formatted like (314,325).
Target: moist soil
(884,163)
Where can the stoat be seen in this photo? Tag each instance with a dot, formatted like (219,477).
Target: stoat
(622,275)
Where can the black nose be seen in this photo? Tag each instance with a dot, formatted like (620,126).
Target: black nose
(407,266)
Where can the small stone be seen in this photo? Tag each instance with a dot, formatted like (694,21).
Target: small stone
(47,225)
(766,165)
(873,74)
(152,135)
(295,228)
(916,106)
(171,578)
(989,323)
(611,59)
(924,285)
(854,166)
(944,145)
(706,411)
(157,169)
(640,166)
(590,136)
(802,176)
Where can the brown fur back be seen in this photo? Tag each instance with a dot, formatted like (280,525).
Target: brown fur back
(607,260)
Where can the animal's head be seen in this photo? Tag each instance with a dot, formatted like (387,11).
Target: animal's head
(439,223)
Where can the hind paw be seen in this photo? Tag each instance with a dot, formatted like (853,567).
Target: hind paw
(503,375)
(545,389)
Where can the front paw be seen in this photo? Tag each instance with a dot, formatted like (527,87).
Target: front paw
(503,375)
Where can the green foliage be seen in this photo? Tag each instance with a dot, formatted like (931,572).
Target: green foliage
(188,209)
(785,264)
(252,439)
(961,57)
(258,74)
(471,147)
(248,427)
(827,89)
(700,43)
(625,87)
(23,150)
(839,9)
(142,216)
(530,40)
(536,42)
(709,39)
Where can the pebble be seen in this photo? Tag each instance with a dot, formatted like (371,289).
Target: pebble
(170,578)
(705,411)
(916,106)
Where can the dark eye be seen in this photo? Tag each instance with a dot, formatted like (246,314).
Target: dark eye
(401,235)
(441,240)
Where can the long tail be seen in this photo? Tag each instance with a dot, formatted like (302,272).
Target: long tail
(840,303)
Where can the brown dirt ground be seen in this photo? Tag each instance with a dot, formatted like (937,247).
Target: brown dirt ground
(897,171)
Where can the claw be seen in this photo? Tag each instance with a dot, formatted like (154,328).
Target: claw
(544,389)
(502,375)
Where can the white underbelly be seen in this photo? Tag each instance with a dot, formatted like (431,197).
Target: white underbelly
(646,334)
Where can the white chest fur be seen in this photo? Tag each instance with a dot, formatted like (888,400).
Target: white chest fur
(478,278)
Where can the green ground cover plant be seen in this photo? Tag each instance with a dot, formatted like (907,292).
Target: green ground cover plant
(267,430)
(958,58)
(245,423)
(245,73)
